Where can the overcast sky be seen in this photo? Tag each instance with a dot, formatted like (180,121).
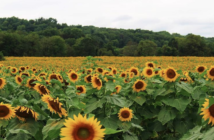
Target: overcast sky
(174,16)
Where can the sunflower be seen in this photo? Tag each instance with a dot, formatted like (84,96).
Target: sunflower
(33,69)
(114,71)
(109,67)
(118,88)
(53,76)
(30,83)
(107,79)
(125,114)
(2,83)
(6,111)
(99,70)
(25,74)
(183,80)
(123,74)
(81,89)
(131,74)
(134,70)
(150,64)
(106,72)
(14,70)
(54,105)
(22,113)
(201,68)
(81,128)
(170,74)
(41,89)
(162,72)
(96,82)
(208,112)
(126,80)
(139,85)
(89,70)
(73,76)
(22,68)
(157,72)
(210,73)
(60,78)
(42,74)
(18,79)
(148,72)
(87,78)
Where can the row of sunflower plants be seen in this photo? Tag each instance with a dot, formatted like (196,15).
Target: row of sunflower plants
(105,103)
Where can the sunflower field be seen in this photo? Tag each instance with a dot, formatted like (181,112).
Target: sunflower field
(107,98)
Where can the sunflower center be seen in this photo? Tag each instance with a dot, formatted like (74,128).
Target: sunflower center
(97,81)
(74,76)
(156,72)
(60,77)
(201,69)
(55,106)
(134,71)
(4,111)
(80,89)
(22,68)
(211,110)
(149,72)
(83,133)
(123,75)
(25,74)
(13,70)
(19,79)
(125,114)
(170,73)
(43,90)
(89,78)
(114,71)
(24,114)
(1,82)
(53,76)
(212,72)
(139,85)
(100,70)
(150,65)
(31,82)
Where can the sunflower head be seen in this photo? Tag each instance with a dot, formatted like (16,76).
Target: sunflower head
(123,74)
(201,68)
(96,82)
(99,70)
(6,111)
(87,78)
(18,79)
(114,70)
(24,74)
(170,75)
(81,128)
(54,105)
(22,68)
(150,64)
(2,83)
(41,89)
(73,76)
(139,85)
(60,78)
(42,74)
(118,88)
(148,72)
(134,70)
(81,89)
(89,70)
(23,113)
(31,82)
(53,76)
(14,70)
(208,112)
(210,73)
(125,114)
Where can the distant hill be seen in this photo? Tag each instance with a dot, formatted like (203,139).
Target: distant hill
(46,37)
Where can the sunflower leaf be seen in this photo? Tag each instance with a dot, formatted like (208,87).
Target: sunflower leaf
(109,131)
(166,114)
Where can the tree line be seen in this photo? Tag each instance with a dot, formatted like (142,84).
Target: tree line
(47,37)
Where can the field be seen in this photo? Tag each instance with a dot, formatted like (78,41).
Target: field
(111,98)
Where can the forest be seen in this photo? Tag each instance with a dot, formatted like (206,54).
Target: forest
(47,37)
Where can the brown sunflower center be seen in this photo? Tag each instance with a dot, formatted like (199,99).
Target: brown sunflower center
(170,73)
(1,82)
(156,72)
(13,70)
(123,75)
(80,89)
(31,82)
(24,114)
(134,71)
(97,81)
(139,85)
(125,114)
(74,76)
(22,68)
(41,74)
(83,133)
(212,72)
(100,70)
(89,78)
(55,106)
(4,111)
(114,71)
(201,69)
(60,77)
(149,72)
(25,74)
(150,65)
(19,79)
(43,89)
(211,110)
(53,76)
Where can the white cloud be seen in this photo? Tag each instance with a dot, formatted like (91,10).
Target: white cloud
(180,16)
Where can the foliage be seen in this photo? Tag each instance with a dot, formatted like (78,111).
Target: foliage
(2,56)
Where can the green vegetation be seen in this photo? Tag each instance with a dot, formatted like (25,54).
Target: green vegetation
(1,56)
(46,37)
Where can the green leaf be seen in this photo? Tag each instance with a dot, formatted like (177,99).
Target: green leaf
(124,125)
(110,86)
(209,135)
(109,122)
(109,131)
(159,92)
(193,134)
(187,87)
(130,137)
(90,107)
(197,93)
(179,103)
(137,126)
(3,123)
(166,114)
(119,101)
(19,136)
(52,128)
(139,99)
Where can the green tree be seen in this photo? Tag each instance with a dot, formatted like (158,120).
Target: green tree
(146,48)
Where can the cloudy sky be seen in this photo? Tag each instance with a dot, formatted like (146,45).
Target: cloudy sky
(174,16)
